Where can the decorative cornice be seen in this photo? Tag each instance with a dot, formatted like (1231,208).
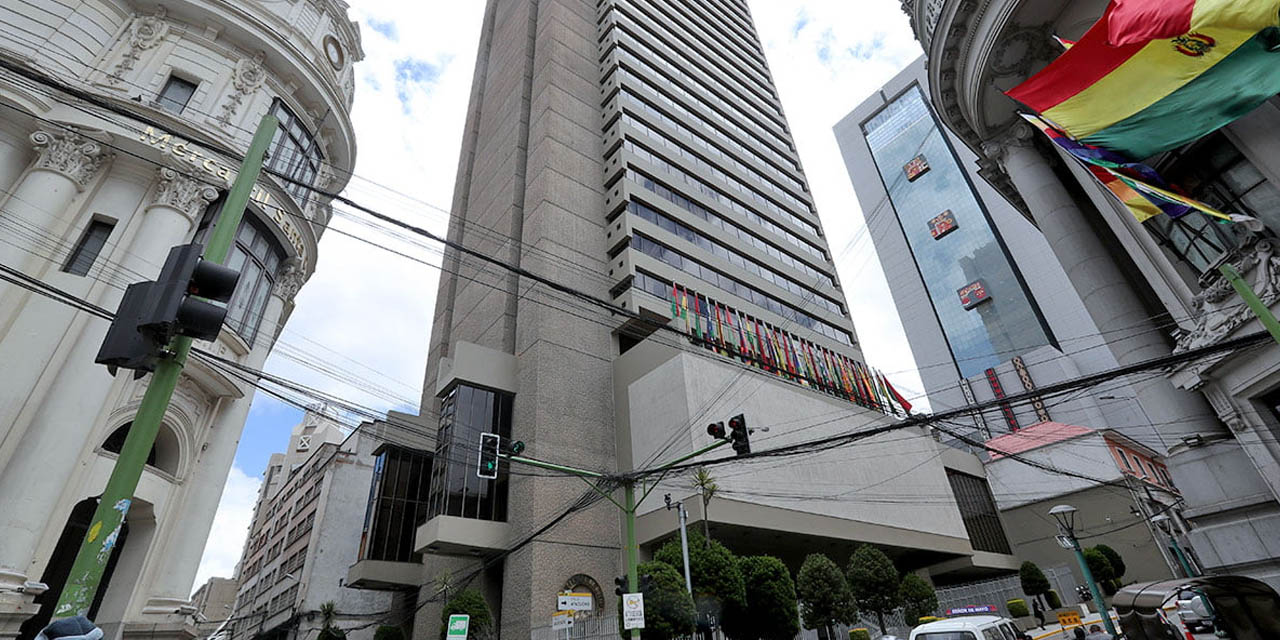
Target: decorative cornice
(289,280)
(182,192)
(246,78)
(70,154)
(144,33)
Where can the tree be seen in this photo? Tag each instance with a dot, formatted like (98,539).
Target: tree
(329,631)
(668,609)
(388,632)
(1101,569)
(718,590)
(823,594)
(707,488)
(770,613)
(1117,563)
(1034,583)
(471,603)
(873,581)
(918,598)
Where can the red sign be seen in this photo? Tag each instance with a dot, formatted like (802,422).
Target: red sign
(942,224)
(997,390)
(916,168)
(973,294)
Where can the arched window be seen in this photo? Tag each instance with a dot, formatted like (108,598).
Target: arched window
(256,255)
(164,453)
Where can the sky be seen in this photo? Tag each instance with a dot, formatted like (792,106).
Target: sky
(365,314)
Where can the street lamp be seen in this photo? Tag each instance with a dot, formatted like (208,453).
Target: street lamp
(1065,514)
(1163,522)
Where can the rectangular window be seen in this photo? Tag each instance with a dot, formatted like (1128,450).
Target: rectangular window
(1124,459)
(87,250)
(294,153)
(176,94)
(978,510)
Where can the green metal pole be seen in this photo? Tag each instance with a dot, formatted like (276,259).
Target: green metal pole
(1250,298)
(113,506)
(1182,558)
(1093,587)
(633,550)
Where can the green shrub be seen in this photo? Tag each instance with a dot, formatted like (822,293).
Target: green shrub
(1018,608)
(388,632)
(1055,601)
(859,634)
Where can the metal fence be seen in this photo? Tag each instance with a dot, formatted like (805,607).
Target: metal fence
(998,591)
(595,627)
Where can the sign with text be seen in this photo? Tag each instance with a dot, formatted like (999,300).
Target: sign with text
(561,620)
(574,602)
(972,609)
(457,629)
(1069,619)
(973,294)
(942,224)
(918,166)
(633,611)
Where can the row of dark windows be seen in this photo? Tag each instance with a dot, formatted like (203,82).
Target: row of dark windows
(749,62)
(659,251)
(734,256)
(397,504)
(743,33)
(979,513)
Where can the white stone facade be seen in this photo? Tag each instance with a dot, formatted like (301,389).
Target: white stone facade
(91,200)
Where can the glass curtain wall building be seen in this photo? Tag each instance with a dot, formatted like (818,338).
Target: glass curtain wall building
(982,303)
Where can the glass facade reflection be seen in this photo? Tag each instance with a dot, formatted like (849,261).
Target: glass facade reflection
(1007,322)
(397,504)
(456,490)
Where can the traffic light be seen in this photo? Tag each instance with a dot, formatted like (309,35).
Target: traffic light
(620,585)
(739,434)
(716,430)
(124,347)
(488,468)
(516,447)
(1083,592)
(646,583)
(183,300)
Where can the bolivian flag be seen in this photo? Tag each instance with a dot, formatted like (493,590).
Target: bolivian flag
(1179,70)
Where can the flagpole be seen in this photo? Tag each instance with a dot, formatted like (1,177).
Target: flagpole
(1250,298)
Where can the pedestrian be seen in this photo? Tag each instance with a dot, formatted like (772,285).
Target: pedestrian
(1096,633)
(73,628)
(1038,612)
(1078,633)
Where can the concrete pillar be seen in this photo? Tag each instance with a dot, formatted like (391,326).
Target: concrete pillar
(1108,297)
(189,520)
(46,456)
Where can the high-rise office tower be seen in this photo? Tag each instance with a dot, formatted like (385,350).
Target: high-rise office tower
(636,151)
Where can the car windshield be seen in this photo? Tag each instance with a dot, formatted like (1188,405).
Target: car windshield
(946,635)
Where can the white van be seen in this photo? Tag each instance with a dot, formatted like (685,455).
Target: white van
(969,628)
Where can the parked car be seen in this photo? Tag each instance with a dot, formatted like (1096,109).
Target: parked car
(1237,607)
(970,628)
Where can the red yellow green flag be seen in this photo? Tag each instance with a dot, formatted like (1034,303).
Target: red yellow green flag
(1161,86)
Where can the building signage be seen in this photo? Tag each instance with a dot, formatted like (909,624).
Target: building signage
(1024,375)
(973,294)
(561,620)
(574,602)
(997,390)
(918,166)
(972,609)
(185,151)
(942,224)
(979,420)
(457,628)
(633,611)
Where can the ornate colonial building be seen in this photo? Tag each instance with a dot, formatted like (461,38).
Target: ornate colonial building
(90,201)
(1153,288)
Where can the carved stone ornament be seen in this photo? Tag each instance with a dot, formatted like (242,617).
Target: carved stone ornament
(1217,309)
(1017,134)
(184,193)
(70,154)
(248,75)
(1019,51)
(145,33)
(290,279)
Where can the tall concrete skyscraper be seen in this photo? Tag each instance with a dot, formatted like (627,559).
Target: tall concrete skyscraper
(636,151)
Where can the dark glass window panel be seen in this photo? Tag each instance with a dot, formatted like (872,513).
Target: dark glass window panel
(455,488)
(87,250)
(979,513)
(294,154)
(176,94)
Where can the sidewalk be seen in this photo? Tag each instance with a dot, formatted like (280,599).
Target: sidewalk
(1054,631)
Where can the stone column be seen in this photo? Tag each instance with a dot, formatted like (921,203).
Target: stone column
(66,163)
(188,524)
(1129,332)
(56,430)
(177,203)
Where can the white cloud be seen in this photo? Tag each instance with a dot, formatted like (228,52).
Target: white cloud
(230,527)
